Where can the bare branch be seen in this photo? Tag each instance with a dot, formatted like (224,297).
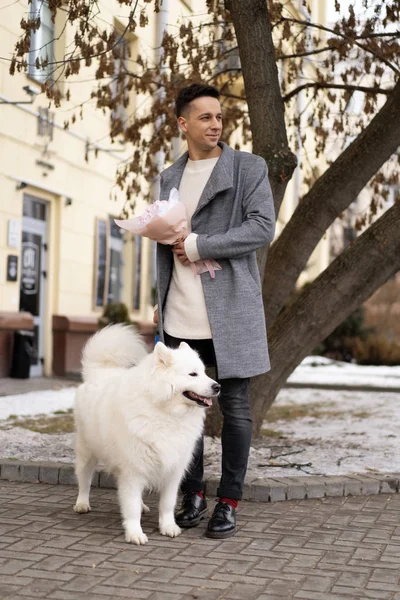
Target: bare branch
(336,86)
(79,58)
(350,40)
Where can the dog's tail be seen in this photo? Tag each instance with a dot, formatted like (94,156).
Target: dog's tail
(114,346)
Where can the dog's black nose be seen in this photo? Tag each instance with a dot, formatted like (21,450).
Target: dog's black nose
(216,388)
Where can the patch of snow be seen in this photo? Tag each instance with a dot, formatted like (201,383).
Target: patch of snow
(36,403)
(324,371)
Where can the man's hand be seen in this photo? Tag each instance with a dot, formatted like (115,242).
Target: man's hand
(155,317)
(179,250)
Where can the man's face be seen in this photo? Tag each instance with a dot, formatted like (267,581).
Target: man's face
(202,123)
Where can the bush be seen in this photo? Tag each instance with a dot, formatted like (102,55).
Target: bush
(376,350)
(339,344)
(114,312)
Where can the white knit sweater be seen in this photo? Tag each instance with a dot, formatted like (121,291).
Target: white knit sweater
(185,313)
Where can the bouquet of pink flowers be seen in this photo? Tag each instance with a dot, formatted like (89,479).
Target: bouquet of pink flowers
(165,221)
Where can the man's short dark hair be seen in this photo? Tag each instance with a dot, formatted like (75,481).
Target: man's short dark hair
(191,92)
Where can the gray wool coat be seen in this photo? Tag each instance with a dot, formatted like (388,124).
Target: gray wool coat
(234,217)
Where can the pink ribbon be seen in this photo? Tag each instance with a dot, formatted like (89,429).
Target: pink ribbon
(202,266)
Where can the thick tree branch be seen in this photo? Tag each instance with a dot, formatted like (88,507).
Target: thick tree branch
(362,268)
(308,53)
(335,86)
(330,195)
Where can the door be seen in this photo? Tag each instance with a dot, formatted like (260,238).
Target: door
(33,273)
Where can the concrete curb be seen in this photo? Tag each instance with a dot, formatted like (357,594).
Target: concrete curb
(269,489)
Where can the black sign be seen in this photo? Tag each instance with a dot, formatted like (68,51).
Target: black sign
(30,273)
(12,267)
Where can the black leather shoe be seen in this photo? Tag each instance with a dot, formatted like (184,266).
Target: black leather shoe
(192,511)
(223,522)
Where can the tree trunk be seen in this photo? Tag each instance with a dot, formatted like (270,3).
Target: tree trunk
(263,93)
(334,191)
(363,267)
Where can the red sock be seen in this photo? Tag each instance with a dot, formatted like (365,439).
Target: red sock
(199,494)
(229,501)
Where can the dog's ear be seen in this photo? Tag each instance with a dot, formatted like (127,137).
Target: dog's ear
(163,355)
(184,346)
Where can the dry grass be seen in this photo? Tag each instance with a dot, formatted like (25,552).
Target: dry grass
(272,433)
(313,410)
(59,422)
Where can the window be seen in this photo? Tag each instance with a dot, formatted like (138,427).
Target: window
(349,235)
(101,266)
(119,89)
(42,42)
(122,88)
(108,263)
(115,262)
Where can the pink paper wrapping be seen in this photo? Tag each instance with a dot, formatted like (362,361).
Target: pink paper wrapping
(167,229)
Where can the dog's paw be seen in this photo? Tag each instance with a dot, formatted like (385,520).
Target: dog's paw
(135,537)
(171,530)
(82,508)
(145,508)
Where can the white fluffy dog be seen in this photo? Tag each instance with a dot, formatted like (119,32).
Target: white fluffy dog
(140,414)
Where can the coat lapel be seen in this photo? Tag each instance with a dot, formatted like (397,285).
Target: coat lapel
(221,177)
(171,177)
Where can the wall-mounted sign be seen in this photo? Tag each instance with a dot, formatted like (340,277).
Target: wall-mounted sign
(14,233)
(12,267)
(30,268)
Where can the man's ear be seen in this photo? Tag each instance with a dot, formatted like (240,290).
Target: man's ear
(163,355)
(182,124)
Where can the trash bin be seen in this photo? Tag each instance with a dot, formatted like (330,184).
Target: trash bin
(22,353)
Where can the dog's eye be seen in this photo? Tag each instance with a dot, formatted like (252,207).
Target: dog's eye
(193,374)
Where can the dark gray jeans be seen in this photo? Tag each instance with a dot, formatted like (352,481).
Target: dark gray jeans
(236,429)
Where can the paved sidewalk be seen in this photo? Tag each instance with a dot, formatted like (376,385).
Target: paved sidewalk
(325,549)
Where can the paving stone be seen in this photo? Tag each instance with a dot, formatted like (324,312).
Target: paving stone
(81,584)
(10,471)
(277,491)
(67,476)
(352,486)
(259,491)
(317,584)
(48,474)
(244,590)
(334,486)
(29,472)
(315,487)
(13,566)
(389,484)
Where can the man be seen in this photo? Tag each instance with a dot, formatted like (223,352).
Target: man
(230,212)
